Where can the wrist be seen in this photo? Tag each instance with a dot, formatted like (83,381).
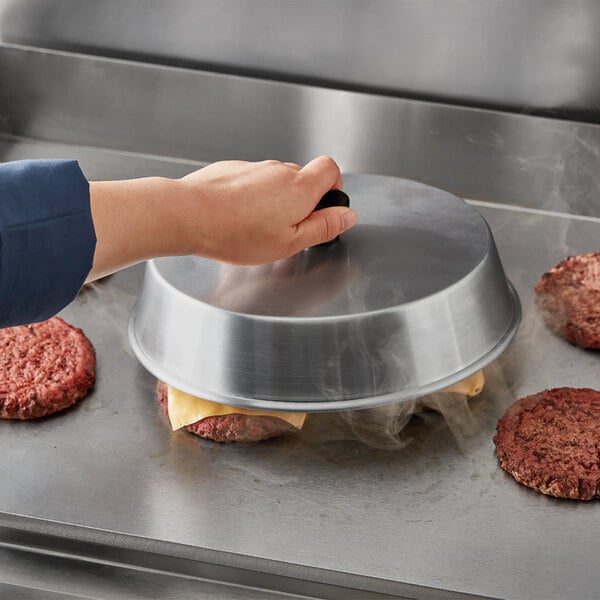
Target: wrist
(135,220)
(166,205)
(193,217)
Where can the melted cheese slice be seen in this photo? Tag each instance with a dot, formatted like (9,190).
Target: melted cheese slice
(471,386)
(185,409)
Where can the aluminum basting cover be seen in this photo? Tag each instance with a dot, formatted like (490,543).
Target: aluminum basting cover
(411,300)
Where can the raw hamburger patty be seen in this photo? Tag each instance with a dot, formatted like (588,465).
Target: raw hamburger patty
(233,427)
(569,298)
(44,368)
(550,442)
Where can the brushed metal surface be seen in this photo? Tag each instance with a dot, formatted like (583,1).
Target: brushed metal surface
(13,592)
(33,563)
(145,109)
(26,575)
(318,506)
(523,56)
(427,522)
(410,301)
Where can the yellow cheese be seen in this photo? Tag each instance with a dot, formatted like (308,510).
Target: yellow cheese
(185,409)
(470,386)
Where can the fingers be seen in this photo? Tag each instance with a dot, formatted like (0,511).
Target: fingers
(317,178)
(322,226)
(321,175)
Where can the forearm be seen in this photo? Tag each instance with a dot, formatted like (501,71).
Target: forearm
(54,225)
(237,212)
(135,220)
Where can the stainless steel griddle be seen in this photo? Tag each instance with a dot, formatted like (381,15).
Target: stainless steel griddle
(104,501)
(317,506)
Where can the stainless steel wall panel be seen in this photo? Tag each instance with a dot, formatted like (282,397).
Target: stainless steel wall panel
(203,117)
(538,56)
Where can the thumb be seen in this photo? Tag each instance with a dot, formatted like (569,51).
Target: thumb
(323,225)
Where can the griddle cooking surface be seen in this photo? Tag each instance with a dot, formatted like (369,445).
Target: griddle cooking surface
(318,505)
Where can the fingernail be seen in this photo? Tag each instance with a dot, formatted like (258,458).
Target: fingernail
(349,218)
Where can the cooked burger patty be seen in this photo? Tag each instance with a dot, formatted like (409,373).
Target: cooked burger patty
(232,427)
(44,368)
(550,442)
(569,297)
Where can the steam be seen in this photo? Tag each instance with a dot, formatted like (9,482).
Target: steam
(530,241)
(109,300)
(382,427)
(392,427)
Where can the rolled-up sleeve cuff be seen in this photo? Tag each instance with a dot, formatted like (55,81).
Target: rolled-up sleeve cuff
(47,238)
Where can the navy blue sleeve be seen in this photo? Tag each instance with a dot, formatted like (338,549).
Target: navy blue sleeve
(47,238)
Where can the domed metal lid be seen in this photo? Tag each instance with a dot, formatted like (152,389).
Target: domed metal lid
(409,301)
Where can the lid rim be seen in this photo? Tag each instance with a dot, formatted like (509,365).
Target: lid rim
(316,406)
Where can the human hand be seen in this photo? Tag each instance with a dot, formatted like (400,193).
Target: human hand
(238,212)
(250,213)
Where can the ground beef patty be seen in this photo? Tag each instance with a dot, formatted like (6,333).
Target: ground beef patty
(550,442)
(569,297)
(233,427)
(44,368)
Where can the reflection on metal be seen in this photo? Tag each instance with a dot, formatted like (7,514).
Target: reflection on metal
(411,301)
(33,567)
(316,507)
(316,513)
(203,117)
(523,56)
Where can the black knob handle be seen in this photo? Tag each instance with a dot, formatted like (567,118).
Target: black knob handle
(332,198)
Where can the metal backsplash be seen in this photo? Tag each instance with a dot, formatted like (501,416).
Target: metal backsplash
(405,88)
(525,56)
(202,117)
